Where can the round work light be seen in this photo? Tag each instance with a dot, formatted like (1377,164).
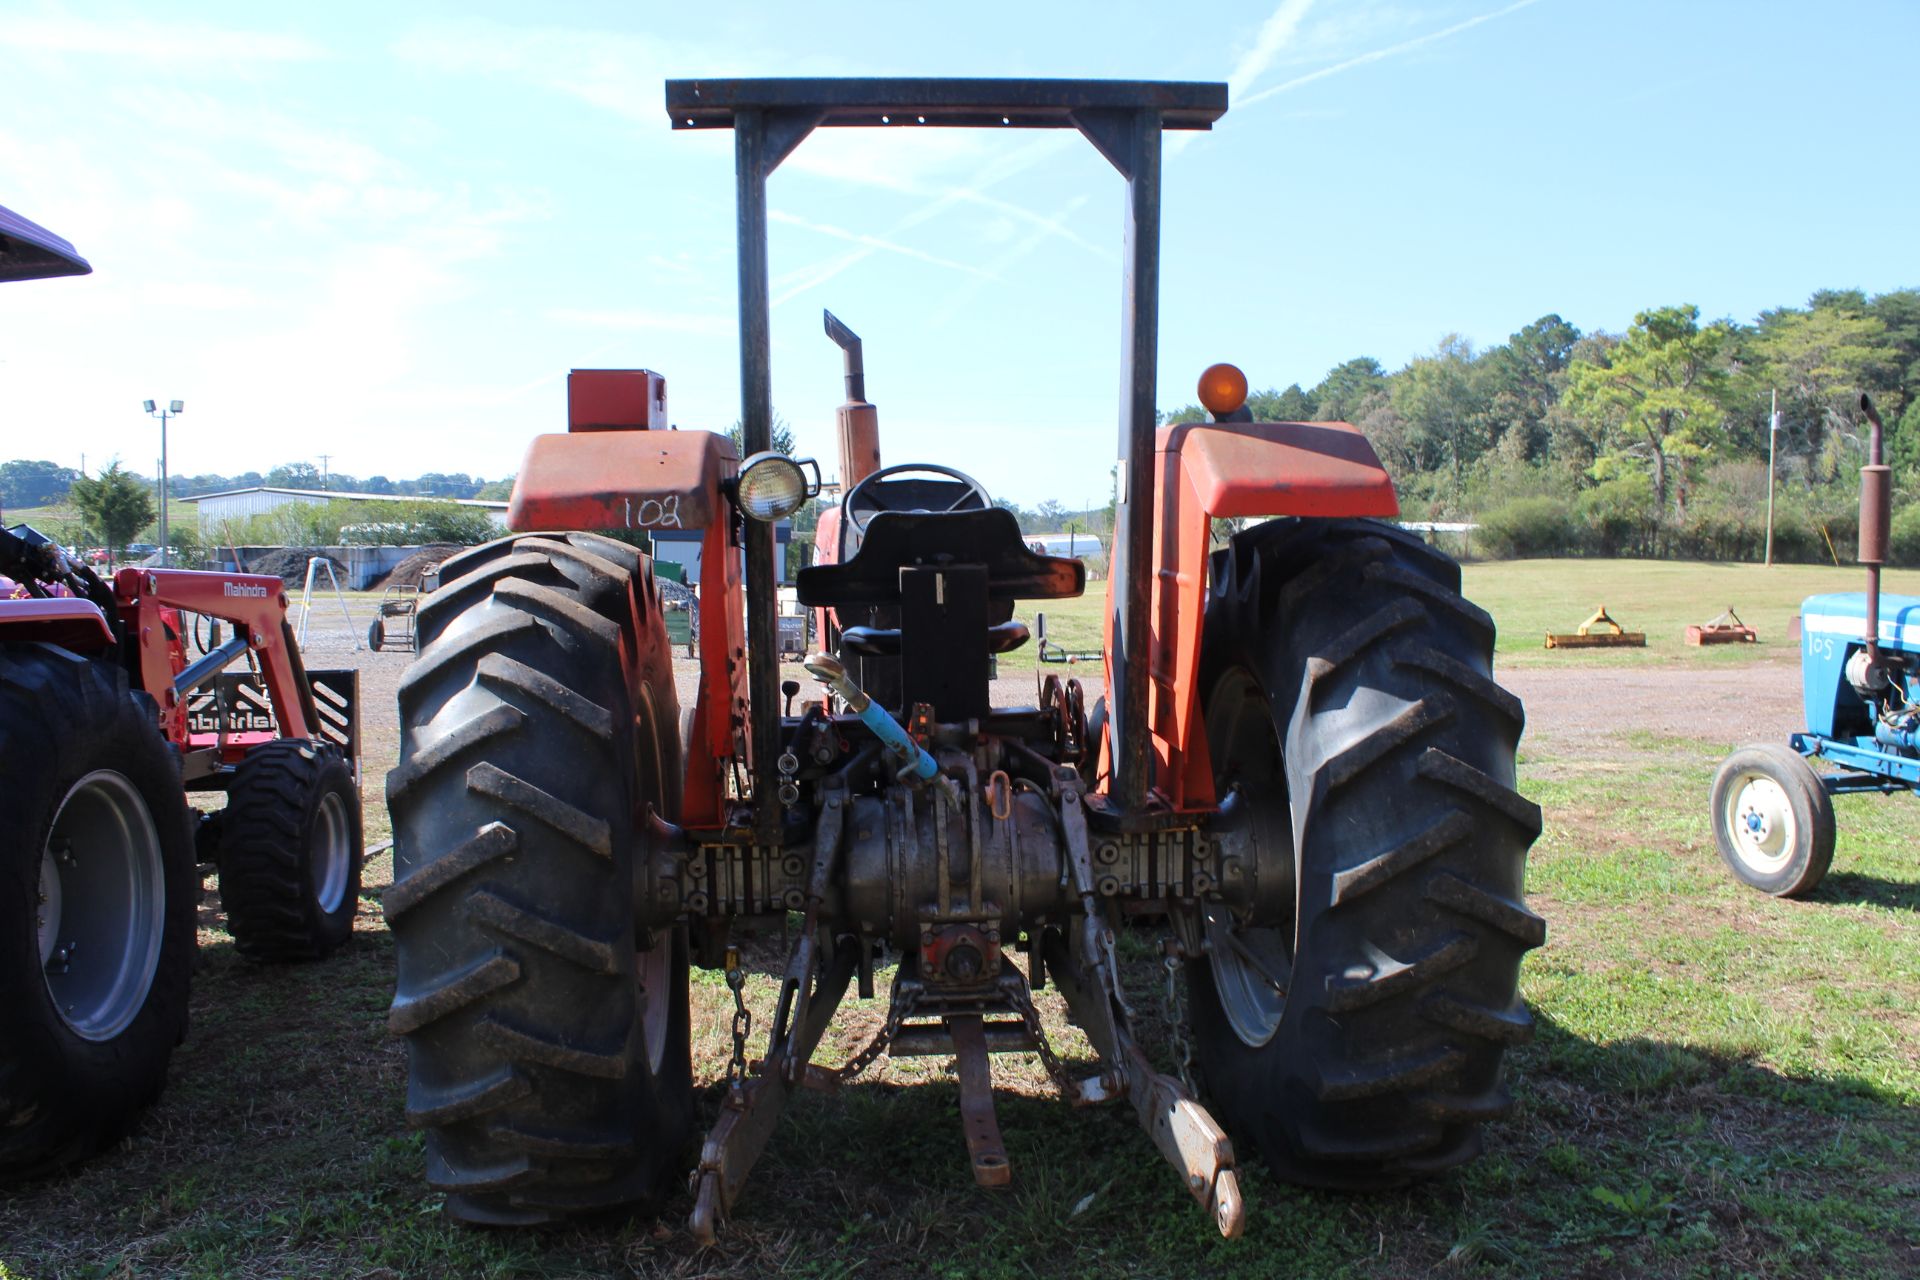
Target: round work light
(771,486)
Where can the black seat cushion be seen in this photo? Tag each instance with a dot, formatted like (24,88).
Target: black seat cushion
(932,539)
(884,642)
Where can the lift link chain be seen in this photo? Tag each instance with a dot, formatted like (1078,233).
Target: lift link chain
(1173,1006)
(898,1008)
(1022,1001)
(742,1024)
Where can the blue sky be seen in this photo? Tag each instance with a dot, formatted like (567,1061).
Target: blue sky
(385,232)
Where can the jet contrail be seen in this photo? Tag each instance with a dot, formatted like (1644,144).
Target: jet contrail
(1377,54)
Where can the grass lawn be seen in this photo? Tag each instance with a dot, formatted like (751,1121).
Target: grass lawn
(1722,1084)
(1659,597)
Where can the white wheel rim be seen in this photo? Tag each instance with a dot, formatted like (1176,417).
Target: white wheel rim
(1760,823)
(1250,968)
(332,858)
(653,974)
(104,902)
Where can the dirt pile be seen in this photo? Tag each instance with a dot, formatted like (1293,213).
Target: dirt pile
(410,571)
(289,564)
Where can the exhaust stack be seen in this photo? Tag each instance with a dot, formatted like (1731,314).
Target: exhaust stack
(1876,514)
(859,421)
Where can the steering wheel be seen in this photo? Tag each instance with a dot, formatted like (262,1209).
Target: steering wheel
(868,499)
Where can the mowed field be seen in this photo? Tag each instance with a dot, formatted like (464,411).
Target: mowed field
(1721,1085)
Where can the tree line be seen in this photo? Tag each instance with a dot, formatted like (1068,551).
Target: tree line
(39,483)
(1651,442)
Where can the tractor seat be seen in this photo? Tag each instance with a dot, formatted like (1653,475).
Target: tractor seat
(897,540)
(884,642)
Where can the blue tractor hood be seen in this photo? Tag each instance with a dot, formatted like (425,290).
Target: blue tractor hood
(1843,614)
(28,251)
(1832,628)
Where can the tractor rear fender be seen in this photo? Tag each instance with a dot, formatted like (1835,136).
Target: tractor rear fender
(1235,469)
(604,480)
(70,623)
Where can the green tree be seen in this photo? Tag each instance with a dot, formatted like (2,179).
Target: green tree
(1820,360)
(294,475)
(1903,445)
(781,434)
(1899,311)
(1655,398)
(1523,382)
(34,484)
(1343,394)
(116,505)
(1291,405)
(1442,401)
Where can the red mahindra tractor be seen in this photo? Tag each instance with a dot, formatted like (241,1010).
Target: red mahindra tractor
(1301,765)
(107,719)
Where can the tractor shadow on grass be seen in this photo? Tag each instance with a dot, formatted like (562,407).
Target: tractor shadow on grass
(1863,890)
(1661,1158)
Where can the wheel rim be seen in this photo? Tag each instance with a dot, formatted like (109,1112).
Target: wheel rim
(103,884)
(1761,823)
(1252,967)
(653,967)
(331,855)
(653,975)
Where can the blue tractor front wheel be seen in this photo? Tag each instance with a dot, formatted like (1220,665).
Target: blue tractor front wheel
(1773,820)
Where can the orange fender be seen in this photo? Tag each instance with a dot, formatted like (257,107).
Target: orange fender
(1212,469)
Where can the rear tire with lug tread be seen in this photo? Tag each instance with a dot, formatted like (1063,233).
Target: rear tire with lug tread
(290,851)
(1349,695)
(1772,820)
(548,1044)
(96,858)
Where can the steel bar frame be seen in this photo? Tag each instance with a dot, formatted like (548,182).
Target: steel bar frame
(1124,120)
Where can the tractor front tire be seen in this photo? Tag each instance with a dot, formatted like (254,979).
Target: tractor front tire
(1358,1044)
(97,894)
(290,851)
(548,1042)
(1772,820)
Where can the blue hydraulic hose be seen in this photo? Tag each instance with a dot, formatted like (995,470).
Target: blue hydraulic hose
(828,671)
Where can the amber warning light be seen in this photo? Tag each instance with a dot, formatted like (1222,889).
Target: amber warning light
(1223,389)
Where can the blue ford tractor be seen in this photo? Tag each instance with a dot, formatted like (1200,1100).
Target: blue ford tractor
(1860,679)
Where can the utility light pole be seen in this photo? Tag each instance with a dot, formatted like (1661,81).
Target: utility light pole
(1773,436)
(174,409)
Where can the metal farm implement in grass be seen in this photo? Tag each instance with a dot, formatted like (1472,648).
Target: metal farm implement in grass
(1302,768)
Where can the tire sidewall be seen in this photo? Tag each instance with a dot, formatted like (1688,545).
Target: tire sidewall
(333,777)
(321,770)
(1812,817)
(85,1091)
(1283,595)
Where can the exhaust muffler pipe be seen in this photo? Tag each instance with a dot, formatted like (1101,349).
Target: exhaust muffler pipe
(1876,515)
(858,420)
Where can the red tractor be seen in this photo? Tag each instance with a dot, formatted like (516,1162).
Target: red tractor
(107,720)
(1302,766)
